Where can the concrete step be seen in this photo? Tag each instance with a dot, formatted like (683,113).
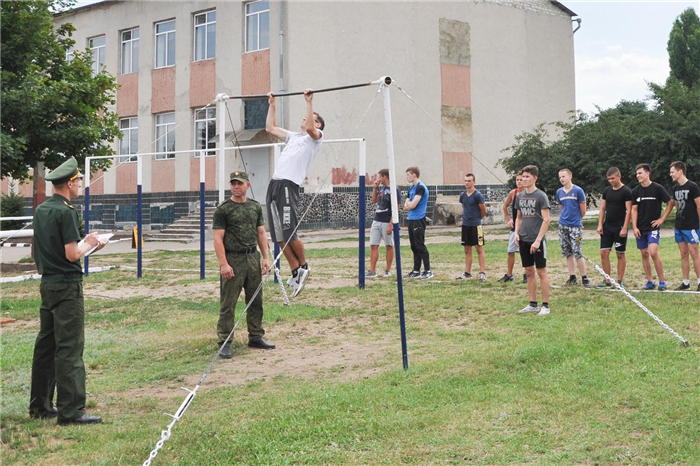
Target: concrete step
(157,239)
(181,231)
(166,236)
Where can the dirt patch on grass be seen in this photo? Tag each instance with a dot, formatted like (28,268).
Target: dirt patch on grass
(335,348)
(11,270)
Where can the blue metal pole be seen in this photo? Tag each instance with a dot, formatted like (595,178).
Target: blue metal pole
(277,264)
(361,239)
(399,286)
(87,225)
(139,225)
(201,231)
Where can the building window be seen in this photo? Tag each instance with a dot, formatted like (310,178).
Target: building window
(205,36)
(130,138)
(97,49)
(165,44)
(204,130)
(70,53)
(165,136)
(130,51)
(255,113)
(257,26)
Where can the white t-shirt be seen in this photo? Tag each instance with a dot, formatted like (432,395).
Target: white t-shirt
(295,160)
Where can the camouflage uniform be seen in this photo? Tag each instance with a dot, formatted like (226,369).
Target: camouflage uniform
(240,222)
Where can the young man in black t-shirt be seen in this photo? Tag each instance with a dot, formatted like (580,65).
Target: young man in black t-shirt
(686,197)
(648,197)
(613,222)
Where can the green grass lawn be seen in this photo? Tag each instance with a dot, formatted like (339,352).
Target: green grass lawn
(597,382)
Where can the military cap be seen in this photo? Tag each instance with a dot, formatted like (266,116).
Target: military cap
(239,176)
(65,172)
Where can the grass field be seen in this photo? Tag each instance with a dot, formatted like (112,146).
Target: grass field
(597,382)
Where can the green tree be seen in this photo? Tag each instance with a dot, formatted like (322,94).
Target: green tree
(11,205)
(52,107)
(684,48)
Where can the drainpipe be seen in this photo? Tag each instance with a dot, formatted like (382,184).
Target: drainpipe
(578,20)
(281,84)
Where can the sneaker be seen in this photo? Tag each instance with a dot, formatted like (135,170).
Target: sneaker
(683,287)
(571,282)
(464,276)
(649,286)
(387,273)
(506,278)
(482,277)
(604,284)
(619,282)
(544,311)
(290,282)
(302,275)
(370,274)
(426,275)
(662,286)
(586,282)
(527,309)
(524,278)
(413,274)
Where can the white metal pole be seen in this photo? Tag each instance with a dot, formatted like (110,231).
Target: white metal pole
(220,113)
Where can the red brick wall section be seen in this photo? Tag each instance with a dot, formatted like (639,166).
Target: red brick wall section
(128,95)
(126,178)
(97,182)
(209,173)
(162,176)
(163,90)
(455,165)
(202,82)
(255,72)
(456,90)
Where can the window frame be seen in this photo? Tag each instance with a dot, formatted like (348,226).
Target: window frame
(96,50)
(208,150)
(134,57)
(204,25)
(168,134)
(245,32)
(155,43)
(129,157)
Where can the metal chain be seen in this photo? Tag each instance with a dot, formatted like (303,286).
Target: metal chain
(165,434)
(636,301)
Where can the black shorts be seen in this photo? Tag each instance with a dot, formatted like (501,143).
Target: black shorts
(611,237)
(472,236)
(282,210)
(538,259)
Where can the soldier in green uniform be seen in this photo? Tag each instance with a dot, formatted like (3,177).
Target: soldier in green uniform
(58,351)
(238,227)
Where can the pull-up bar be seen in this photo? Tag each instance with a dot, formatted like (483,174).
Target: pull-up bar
(386,80)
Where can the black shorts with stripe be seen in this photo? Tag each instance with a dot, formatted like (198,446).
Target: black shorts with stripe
(472,235)
(282,210)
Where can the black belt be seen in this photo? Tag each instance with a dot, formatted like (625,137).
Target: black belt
(244,252)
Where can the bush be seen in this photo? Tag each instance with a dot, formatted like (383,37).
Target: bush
(11,205)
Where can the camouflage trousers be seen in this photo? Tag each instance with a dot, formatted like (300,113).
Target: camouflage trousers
(247,276)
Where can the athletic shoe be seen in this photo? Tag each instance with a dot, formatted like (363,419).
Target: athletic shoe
(370,274)
(571,282)
(482,277)
(413,274)
(619,282)
(683,287)
(649,286)
(290,282)
(604,284)
(426,275)
(506,278)
(302,275)
(527,309)
(387,273)
(586,282)
(544,311)
(662,286)
(464,276)
(524,278)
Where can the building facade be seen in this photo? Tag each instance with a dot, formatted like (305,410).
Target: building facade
(478,73)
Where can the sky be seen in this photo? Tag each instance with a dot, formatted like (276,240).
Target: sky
(620,47)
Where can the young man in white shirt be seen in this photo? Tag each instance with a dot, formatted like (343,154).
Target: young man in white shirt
(283,192)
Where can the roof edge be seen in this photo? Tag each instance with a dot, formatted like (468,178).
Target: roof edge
(562,7)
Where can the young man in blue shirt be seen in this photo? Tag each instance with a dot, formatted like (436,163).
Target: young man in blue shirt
(474,209)
(573,207)
(416,205)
